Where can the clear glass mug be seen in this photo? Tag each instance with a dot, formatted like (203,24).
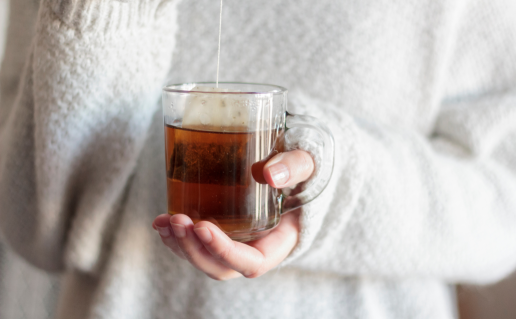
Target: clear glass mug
(216,142)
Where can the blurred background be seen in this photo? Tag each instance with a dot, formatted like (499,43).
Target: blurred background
(28,293)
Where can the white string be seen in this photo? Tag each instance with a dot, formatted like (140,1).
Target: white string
(218,54)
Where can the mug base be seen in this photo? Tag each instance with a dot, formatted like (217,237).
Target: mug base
(250,236)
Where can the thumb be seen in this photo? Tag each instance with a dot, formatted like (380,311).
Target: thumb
(288,168)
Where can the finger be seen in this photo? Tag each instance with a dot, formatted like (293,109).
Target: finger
(255,258)
(257,168)
(237,256)
(162,226)
(195,252)
(288,168)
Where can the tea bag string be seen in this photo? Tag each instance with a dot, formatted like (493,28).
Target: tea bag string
(218,54)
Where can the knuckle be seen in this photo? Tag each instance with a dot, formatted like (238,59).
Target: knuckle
(221,276)
(253,275)
(224,253)
(305,160)
(170,242)
(187,255)
(190,252)
(215,277)
(260,270)
(177,252)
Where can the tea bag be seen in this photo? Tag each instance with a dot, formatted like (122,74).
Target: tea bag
(221,112)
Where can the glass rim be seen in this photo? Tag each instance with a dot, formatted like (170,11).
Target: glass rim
(276,89)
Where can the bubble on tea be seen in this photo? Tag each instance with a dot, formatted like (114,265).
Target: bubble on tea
(225,112)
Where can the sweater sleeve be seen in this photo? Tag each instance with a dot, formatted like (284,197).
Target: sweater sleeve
(79,122)
(402,204)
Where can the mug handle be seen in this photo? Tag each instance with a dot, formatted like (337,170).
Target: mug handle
(325,168)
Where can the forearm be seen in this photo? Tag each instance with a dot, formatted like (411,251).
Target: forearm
(435,207)
(87,100)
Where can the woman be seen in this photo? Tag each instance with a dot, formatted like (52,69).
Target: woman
(420,98)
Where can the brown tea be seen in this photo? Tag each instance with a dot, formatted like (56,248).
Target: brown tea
(209,177)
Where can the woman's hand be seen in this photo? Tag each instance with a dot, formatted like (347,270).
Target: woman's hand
(210,250)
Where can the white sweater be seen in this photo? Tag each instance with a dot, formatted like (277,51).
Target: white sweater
(421,100)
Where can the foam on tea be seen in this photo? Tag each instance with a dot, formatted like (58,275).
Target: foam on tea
(216,112)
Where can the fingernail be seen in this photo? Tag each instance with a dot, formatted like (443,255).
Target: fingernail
(204,234)
(275,159)
(179,230)
(279,173)
(163,231)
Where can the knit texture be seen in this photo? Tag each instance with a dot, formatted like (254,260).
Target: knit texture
(419,96)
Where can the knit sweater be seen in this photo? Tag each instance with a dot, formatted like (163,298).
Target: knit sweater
(421,100)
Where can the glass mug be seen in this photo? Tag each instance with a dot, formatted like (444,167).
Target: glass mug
(215,139)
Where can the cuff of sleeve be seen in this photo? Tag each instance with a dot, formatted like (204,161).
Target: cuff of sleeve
(107,15)
(335,204)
